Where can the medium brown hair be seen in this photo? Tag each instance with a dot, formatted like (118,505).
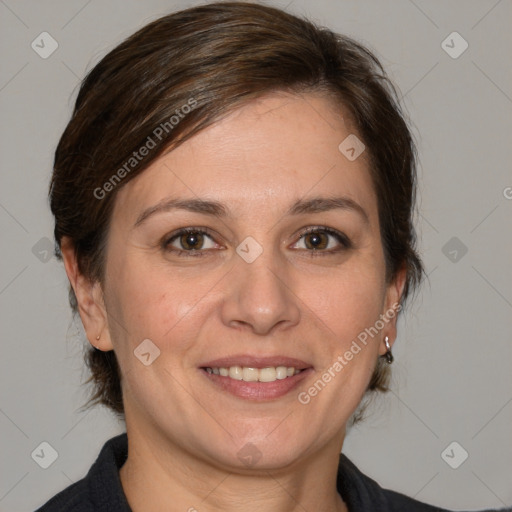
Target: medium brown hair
(217,57)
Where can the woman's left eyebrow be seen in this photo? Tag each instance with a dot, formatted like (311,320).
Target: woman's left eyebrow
(324,204)
(216,209)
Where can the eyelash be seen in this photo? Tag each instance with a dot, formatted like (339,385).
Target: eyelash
(197,253)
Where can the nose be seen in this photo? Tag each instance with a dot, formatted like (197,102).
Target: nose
(260,297)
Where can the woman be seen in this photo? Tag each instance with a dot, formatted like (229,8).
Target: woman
(233,202)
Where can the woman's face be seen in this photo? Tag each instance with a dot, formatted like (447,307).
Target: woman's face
(246,288)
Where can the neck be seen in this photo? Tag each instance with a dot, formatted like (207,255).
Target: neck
(158,479)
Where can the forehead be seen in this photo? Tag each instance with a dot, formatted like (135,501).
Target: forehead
(264,155)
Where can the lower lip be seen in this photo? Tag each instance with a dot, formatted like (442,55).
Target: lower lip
(258,391)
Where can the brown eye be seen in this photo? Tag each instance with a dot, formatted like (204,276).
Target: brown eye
(322,240)
(316,240)
(189,241)
(192,240)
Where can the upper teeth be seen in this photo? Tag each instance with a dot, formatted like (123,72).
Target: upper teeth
(247,374)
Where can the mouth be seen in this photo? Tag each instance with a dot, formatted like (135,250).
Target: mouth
(248,374)
(258,379)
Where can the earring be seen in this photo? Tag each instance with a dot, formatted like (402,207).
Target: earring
(388,355)
(97,339)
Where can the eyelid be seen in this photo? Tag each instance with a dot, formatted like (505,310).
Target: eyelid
(168,239)
(342,239)
(189,229)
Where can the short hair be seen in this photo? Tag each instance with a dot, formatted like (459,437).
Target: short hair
(215,58)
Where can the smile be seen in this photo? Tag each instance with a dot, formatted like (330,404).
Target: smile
(248,374)
(256,377)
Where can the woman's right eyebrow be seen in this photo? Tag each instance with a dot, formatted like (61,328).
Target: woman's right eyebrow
(217,209)
(205,206)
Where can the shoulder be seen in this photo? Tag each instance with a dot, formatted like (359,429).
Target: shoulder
(361,493)
(100,489)
(75,497)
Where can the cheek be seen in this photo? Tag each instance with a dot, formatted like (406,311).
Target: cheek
(155,302)
(348,310)
(349,302)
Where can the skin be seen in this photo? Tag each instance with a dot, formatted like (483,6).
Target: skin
(184,433)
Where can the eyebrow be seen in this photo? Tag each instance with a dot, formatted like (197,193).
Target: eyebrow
(216,209)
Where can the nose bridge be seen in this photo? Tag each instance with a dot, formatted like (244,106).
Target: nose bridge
(259,296)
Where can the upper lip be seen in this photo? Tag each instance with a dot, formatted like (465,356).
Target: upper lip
(249,361)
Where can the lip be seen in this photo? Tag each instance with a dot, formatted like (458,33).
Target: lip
(257,391)
(256,362)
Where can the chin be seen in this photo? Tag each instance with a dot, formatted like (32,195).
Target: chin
(257,452)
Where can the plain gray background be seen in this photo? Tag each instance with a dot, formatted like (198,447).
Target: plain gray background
(452,378)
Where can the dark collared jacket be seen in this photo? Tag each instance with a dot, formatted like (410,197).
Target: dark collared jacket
(101,490)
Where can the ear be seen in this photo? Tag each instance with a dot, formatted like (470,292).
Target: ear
(89,296)
(392,306)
